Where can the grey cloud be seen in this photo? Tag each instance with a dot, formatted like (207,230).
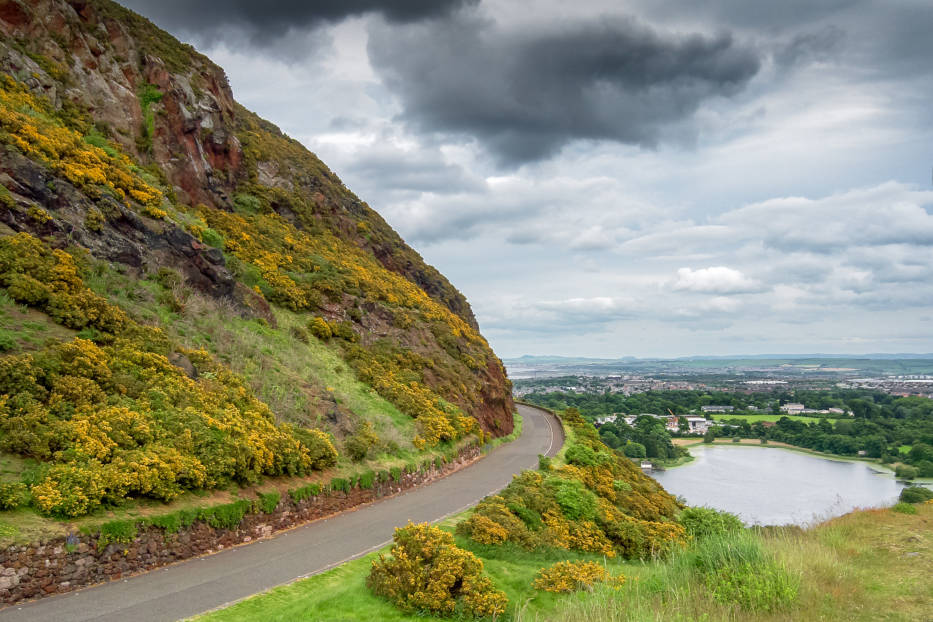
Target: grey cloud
(391,169)
(810,46)
(265,22)
(524,95)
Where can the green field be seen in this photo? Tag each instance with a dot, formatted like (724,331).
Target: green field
(754,418)
(867,565)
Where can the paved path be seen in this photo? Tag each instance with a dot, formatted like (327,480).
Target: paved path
(205,583)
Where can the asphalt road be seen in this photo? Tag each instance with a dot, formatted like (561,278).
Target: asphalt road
(206,583)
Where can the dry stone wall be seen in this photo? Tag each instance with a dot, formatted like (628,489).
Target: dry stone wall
(79,560)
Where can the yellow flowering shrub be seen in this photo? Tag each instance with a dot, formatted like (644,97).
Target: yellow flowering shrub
(570,576)
(116,418)
(428,572)
(29,124)
(581,506)
(302,269)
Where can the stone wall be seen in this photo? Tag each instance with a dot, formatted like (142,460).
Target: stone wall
(75,561)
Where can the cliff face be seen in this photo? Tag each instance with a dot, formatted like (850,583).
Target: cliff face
(135,150)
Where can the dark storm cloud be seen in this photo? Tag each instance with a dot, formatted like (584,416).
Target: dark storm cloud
(524,95)
(263,21)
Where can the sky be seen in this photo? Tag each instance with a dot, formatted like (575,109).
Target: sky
(611,178)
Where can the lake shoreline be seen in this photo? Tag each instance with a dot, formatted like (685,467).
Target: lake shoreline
(775,488)
(873,463)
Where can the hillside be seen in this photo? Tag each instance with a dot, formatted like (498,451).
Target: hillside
(189,297)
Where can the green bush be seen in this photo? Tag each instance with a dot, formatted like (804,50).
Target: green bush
(544,463)
(575,501)
(268,501)
(915,494)
(339,483)
(634,450)
(904,508)
(305,492)
(227,516)
(396,473)
(905,471)
(12,495)
(176,521)
(366,480)
(531,518)
(581,455)
(703,522)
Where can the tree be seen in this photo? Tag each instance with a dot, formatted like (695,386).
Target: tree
(635,450)
(710,436)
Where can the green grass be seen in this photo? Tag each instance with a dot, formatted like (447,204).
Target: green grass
(905,449)
(755,418)
(855,567)
(341,594)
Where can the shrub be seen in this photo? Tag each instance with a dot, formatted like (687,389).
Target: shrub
(227,516)
(341,484)
(305,492)
(905,471)
(396,473)
(268,501)
(12,495)
(904,508)
(915,494)
(635,450)
(428,572)
(367,480)
(361,442)
(581,455)
(575,501)
(544,463)
(702,522)
(570,576)
(320,328)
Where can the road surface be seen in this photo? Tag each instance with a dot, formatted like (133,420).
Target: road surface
(201,584)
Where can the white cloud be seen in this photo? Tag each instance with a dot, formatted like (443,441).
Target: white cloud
(714,280)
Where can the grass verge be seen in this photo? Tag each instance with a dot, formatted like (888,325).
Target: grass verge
(867,565)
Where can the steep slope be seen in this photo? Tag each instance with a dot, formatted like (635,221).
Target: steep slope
(133,186)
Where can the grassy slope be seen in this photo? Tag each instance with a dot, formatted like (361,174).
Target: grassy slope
(867,565)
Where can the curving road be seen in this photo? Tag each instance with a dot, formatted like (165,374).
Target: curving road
(205,583)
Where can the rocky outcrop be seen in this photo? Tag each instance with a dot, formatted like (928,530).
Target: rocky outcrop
(172,109)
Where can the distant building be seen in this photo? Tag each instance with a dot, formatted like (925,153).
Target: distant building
(673,424)
(647,466)
(716,409)
(607,419)
(792,408)
(697,425)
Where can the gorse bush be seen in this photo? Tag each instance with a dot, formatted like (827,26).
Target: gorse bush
(117,419)
(428,572)
(704,522)
(301,272)
(604,505)
(915,494)
(28,124)
(570,576)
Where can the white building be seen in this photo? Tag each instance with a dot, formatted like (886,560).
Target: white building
(716,409)
(698,425)
(792,408)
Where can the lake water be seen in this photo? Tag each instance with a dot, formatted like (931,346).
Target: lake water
(770,486)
